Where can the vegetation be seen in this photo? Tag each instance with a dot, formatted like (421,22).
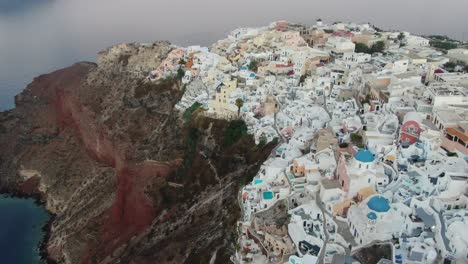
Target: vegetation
(275,141)
(379,46)
(357,140)
(262,142)
(377,28)
(361,48)
(440,37)
(452,66)
(281,221)
(180,74)
(236,130)
(239,104)
(445,45)
(343,145)
(190,111)
(401,36)
(366,100)
(182,62)
(452,154)
(190,151)
(302,79)
(253,65)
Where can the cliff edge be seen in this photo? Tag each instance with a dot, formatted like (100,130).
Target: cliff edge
(129,179)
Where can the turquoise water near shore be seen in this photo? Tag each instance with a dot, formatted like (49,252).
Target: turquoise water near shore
(21,222)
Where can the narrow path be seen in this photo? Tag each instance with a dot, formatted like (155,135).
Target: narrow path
(281,139)
(213,257)
(321,256)
(213,168)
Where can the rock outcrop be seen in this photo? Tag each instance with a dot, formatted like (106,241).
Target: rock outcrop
(129,179)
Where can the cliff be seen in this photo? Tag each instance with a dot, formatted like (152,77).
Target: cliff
(129,179)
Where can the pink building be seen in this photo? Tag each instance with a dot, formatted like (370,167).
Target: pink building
(170,64)
(410,131)
(343,33)
(356,173)
(411,128)
(342,173)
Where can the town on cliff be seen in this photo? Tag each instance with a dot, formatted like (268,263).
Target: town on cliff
(371,128)
(290,143)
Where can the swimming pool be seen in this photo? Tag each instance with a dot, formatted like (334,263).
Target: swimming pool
(267,195)
(258,181)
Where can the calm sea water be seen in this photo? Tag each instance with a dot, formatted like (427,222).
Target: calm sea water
(21,222)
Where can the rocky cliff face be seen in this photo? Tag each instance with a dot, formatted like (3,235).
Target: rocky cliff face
(129,179)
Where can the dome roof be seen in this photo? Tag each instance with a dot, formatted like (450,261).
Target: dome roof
(378,204)
(364,155)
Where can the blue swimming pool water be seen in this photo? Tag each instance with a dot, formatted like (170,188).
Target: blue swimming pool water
(267,195)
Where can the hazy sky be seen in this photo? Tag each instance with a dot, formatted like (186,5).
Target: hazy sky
(36,38)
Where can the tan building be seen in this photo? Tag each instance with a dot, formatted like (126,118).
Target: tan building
(366,38)
(316,38)
(270,106)
(341,209)
(364,193)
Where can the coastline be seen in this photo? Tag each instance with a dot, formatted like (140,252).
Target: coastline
(39,200)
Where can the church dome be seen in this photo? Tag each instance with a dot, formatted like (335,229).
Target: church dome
(364,155)
(378,204)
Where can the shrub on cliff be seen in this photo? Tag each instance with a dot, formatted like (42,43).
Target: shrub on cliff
(180,74)
(190,111)
(236,130)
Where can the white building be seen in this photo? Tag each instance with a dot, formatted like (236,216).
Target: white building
(376,219)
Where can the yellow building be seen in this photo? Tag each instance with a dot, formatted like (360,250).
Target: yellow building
(221,104)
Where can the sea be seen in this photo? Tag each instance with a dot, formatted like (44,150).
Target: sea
(21,222)
(39,36)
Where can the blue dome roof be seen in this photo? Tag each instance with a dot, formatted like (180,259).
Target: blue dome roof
(372,216)
(364,155)
(378,204)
